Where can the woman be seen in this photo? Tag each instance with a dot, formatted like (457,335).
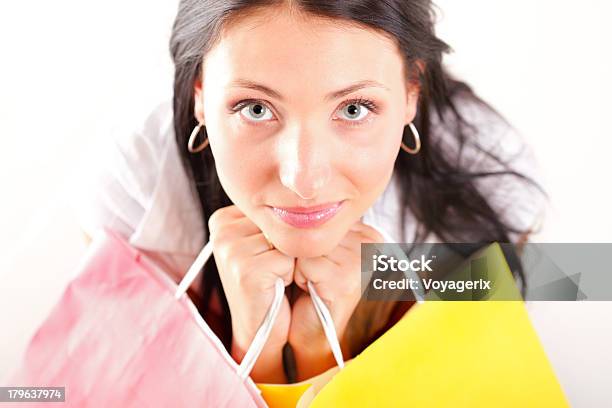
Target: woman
(291,119)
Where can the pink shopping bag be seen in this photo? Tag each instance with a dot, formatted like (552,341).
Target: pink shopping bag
(119,337)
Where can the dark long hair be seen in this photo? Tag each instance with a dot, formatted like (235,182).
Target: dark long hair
(435,186)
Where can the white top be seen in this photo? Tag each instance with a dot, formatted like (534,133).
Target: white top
(139,188)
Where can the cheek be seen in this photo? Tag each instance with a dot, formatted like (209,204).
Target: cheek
(372,167)
(242,168)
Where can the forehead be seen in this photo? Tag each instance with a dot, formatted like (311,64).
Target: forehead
(295,51)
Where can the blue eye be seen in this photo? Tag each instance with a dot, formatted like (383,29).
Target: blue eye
(355,111)
(257,112)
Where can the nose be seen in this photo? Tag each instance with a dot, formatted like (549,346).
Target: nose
(304,161)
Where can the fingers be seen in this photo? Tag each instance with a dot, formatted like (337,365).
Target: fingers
(315,270)
(339,271)
(228,227)
(241,235)
(255,244)
(342,253)
(229,212)
(266,267)
(249,270)
(367,231)
(221,217)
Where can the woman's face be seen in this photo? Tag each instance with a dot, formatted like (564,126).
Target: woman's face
(303,112)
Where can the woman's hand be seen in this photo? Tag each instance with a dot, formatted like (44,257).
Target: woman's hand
(248,270)
(337,279)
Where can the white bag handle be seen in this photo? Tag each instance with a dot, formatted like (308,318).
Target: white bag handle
(328,324)
(259,341)
(262,334)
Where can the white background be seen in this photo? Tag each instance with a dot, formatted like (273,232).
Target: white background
(72,70)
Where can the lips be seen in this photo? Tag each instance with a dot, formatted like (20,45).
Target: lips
(307,217)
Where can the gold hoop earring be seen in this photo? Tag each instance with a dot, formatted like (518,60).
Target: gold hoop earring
(417,141)
(193,137)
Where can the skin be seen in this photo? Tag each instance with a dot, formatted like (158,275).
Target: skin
(302,148)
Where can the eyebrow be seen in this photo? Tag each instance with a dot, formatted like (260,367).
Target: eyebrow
(245,83)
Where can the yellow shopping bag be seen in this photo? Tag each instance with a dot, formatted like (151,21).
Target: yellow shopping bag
(442,354)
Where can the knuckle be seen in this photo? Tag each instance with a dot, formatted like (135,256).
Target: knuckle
(221,238)
(214,218)
(231,248)
(246,265)
(372,236)
(221,247)
(237,270)
(288,276)
(245,275)
(219,217)
(352,285)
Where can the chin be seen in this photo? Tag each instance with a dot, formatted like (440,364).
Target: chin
(303,244)
(302,251)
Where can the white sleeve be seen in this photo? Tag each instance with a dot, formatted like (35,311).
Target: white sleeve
(115,181)
(134,183)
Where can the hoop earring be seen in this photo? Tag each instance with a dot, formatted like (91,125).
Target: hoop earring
(192,138)
(417,141)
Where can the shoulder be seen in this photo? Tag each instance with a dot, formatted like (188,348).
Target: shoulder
(134,183)
(144,143)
